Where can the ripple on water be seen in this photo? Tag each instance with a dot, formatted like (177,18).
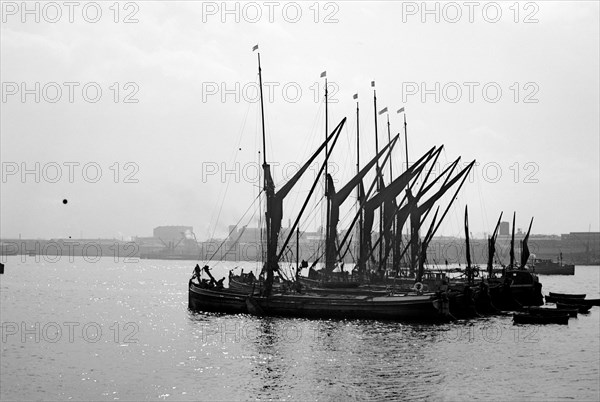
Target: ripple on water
(181,355)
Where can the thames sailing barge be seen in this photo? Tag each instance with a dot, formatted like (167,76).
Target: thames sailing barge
(283,301)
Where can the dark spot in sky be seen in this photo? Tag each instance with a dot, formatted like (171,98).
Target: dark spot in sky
(65,201)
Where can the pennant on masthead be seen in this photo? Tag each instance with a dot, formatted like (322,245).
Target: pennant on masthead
(355,96)
(401,110)
(382,111)
(255,47)
(324,74)
(373,84)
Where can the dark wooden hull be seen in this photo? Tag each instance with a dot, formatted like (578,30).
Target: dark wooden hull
(312,283)
(567,295)
(518,288)
(216,301)
(580,308)
(566,300)
(572,312)
(425,308)
(241,287)
(462,301)
(515,297)
(356,291)
(525,318)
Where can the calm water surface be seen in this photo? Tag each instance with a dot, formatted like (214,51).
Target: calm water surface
(122,331)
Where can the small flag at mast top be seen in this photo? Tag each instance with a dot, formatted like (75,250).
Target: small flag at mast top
(382,111)
(255,47)
(401,110)
(373,84)
(355,96)
(324,74)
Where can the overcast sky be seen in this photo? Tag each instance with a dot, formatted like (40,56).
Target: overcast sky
(162,132)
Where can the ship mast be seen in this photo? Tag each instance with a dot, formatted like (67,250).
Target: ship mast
(405,137)
(393,228)
(512,246)
(329,252)
(266,189)
(379,173)
(359,188)
(468,248)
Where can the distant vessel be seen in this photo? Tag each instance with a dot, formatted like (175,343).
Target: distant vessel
(549,267)
(167,256)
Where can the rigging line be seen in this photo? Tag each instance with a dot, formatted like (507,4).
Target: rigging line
(234,228)
(235,242)
(455,222)
(315,208)
(234,155)
(481,201)
(348,167)
(307,145)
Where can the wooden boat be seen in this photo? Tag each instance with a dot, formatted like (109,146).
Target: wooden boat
(572,312)
(518,285)
(217,301)
(567,295)
(420,308)
(549,267)
(528,318)
(567,300)
(241,287)
(315,283)
(285,299)
(517,288)
(581,308)
(250,288)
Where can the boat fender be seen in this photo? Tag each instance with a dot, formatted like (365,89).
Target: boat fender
(418,287)
(475,272)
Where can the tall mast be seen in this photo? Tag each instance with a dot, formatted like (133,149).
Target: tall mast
(328,210)
(269,192)
(324,74)
(376,136)
(393,228)
(492,248)
(401,110)
(262,249)
(405,139)
(389,140)
(468,248)
(358,188)
(262,109)
(379,173)
(512,244)
(297,253)
(262,121)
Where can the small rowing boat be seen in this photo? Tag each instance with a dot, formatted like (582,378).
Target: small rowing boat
(566,300)
(528,318)
(567,295)
(572,312)
(580,308)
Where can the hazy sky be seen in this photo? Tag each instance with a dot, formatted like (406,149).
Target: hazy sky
(515,87)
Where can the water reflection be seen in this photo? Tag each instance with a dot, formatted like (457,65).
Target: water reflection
(184,355)
(270,365)
(373,360)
